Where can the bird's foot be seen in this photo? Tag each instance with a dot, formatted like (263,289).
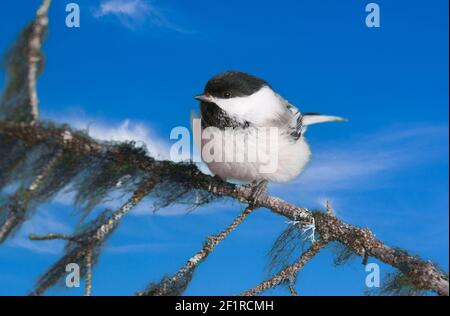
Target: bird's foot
(218,178)
(259,192)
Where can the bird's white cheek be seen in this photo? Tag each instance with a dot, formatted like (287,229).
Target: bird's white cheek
(234,107)
(259,108)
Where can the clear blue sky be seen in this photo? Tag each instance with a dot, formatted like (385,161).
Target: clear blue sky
(387,168)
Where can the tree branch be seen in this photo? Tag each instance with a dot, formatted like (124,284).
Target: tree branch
(16,210)
(50,237)
(88,277)
(177,284)
(34,57)
(19,101)
(425,274)
(92,238)
(290,272)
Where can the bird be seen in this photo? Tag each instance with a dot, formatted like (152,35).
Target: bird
(235,107)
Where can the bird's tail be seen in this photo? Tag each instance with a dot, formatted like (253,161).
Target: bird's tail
(316,118)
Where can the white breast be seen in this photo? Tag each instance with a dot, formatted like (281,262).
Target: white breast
(240,154)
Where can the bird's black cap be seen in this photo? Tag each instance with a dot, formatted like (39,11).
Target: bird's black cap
(230,84)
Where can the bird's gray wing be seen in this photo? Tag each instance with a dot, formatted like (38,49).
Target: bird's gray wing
(293,118)
(298,122)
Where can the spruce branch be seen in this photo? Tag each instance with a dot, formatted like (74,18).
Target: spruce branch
(19,101)
(424,275)
(16,210)
(177,283)
(34,56)
(427,276)
(288,274)
(90,240)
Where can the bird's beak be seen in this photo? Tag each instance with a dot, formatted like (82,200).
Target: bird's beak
(204,98)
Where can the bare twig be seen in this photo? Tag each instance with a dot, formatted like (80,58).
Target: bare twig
(292,289)
(34,57)
(88,271)
(176,284)
(289,273)
(50,237)
(329,208)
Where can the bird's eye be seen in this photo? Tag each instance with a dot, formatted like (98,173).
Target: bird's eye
(227,94)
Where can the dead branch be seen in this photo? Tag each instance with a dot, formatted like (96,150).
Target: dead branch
(34,57)
(329,207)
(292,289)
(88,276)
(176,284)
(50,237)
(289,273)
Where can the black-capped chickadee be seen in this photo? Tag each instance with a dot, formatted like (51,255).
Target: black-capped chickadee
(249,117)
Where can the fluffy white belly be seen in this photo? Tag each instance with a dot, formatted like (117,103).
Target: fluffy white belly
(245,155)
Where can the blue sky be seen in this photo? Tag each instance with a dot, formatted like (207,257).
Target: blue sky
(132,74)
